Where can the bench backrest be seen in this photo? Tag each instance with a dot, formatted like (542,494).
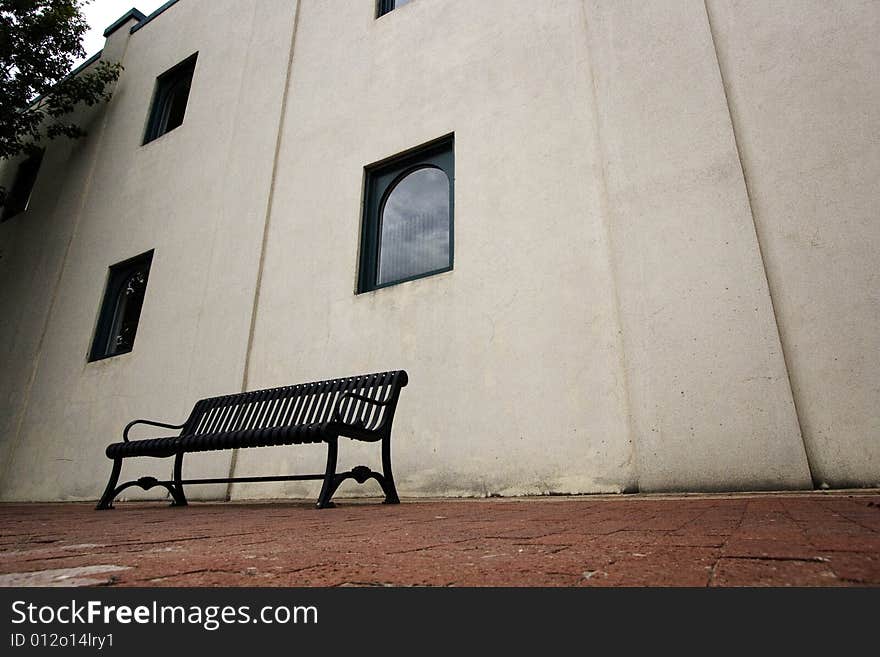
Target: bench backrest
(305,403)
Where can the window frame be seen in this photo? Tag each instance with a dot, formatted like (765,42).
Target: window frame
(164,84)
(109,316)
(34,161)
(380,179)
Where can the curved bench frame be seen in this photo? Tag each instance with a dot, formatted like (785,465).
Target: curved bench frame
(353,416)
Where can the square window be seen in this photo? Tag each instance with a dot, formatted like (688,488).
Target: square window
(121,308)
(20,192)
(170,98)
(384,6)
(407,224)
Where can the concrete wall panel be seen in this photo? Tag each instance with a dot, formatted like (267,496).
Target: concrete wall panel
(804,90)
(711,403)
(196,195)
(515,377)
(665,245)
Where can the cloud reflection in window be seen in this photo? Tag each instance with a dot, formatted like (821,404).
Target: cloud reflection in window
(414,230)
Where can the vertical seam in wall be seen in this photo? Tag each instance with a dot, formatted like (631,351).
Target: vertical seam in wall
(745,177)
(269,204)
(604,209)
(57,284)
(216,225)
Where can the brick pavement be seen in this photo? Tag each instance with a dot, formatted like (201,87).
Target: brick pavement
(761,539)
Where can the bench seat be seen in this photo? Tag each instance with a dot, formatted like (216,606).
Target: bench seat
(272,437)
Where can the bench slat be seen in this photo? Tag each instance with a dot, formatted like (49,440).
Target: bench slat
(289,407)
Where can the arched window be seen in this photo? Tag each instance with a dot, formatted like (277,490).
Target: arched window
(414,226)
(407,225)
(121,308)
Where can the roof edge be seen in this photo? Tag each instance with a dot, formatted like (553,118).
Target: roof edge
(91,60)
(131,14)
(146,20)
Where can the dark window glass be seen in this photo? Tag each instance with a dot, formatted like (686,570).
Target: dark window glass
(170,98)
(121,308)
(414,226)
(408,217)
(384,6)
(20,192)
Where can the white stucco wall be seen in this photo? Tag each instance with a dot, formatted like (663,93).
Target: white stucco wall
(33,249)
(711,401)
(804,92)
(516,383)
(197,196)
(665,246)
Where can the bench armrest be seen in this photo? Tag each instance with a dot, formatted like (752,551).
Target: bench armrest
(151,423)
(338,417)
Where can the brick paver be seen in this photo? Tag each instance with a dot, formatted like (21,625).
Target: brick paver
(762,539)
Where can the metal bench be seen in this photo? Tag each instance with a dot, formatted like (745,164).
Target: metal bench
(360,407)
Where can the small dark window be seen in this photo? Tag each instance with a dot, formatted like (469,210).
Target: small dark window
(20,193)
(169,99)
(121,308)
(384,6)
(407,224)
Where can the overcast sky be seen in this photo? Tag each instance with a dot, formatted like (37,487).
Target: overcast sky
(101,13)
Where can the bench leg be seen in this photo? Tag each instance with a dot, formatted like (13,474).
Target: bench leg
(106,501)
(387,481)
(330,482)
(177,489)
